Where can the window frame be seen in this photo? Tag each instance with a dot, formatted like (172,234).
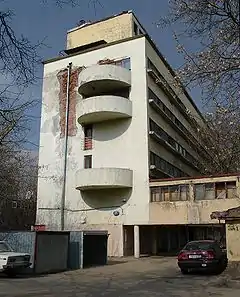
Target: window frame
(87,158)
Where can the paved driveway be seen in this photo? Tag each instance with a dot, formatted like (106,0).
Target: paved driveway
(144,277)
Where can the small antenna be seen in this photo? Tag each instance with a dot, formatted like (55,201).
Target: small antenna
(81,22)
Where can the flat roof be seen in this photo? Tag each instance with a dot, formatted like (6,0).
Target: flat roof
(87,24)
(149,39)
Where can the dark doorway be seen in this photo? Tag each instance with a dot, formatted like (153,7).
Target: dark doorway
(128,237)
(94,249)
(145,240)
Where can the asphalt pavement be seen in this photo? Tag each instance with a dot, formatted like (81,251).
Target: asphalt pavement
(123,277)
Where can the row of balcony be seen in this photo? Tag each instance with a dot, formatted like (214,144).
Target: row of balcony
(97,84)
(103,88)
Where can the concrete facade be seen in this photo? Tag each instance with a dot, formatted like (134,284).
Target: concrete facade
(113,148)
(135,134)
(233,239)
(108,30)
(200,198)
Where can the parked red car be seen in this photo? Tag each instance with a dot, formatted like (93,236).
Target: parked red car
(202,255)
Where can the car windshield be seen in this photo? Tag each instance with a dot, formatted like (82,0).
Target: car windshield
(193,246)
(4,247)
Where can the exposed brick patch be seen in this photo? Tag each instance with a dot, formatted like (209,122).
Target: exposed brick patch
(106,61)
(62,78)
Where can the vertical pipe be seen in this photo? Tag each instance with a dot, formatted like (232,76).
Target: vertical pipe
(69,67)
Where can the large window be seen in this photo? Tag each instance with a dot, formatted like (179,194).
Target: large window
(219,190)
(170,193)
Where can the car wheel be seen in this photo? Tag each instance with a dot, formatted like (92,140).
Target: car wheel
(220,268)
(11,272)
(184,271)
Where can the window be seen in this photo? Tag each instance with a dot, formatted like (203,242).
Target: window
(88,161)
(193,246)
(225,190)
(169,193)
(88,137)
(125,63)
(14,204)
(219,190)
(231,190)
(155,194)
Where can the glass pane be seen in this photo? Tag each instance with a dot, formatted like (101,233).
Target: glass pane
(4,247)
(156,194)
(87,162)
(198,246)
(209,191)
(221,192)
(165,194)
(199,191)
(174,193)
(231,190)
(183,192)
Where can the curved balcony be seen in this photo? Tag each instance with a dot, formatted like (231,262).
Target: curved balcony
(99,79)
(103,178)
(103,108)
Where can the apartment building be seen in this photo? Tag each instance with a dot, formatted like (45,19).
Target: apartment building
(113,118)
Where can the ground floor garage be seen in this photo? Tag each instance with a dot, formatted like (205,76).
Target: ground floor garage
(167,239)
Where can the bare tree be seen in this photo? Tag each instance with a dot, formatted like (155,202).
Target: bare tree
(18,189)
(212,27)
(221,138)
(19,59)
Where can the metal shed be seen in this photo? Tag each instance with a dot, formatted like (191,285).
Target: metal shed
(48,249)
(87,248)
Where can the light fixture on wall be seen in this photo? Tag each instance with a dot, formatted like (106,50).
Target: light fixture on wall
(116,213)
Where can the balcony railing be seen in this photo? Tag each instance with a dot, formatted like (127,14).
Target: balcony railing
(159,164)
(88,143)
(166,139)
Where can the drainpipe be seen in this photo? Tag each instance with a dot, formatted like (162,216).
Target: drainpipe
(69,67)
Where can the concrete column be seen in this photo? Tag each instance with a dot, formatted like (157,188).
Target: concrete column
(191,192)
(136,242)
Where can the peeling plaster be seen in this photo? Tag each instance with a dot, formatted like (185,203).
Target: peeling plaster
(62,78)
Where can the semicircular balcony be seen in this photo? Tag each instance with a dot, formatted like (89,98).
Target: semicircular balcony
(99,79)
(102,108)
(104,178)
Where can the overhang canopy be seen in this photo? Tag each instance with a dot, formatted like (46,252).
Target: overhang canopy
(232,213)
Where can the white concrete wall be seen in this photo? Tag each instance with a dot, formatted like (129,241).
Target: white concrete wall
(121,143)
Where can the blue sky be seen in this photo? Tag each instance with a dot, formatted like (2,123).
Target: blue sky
(42,20)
